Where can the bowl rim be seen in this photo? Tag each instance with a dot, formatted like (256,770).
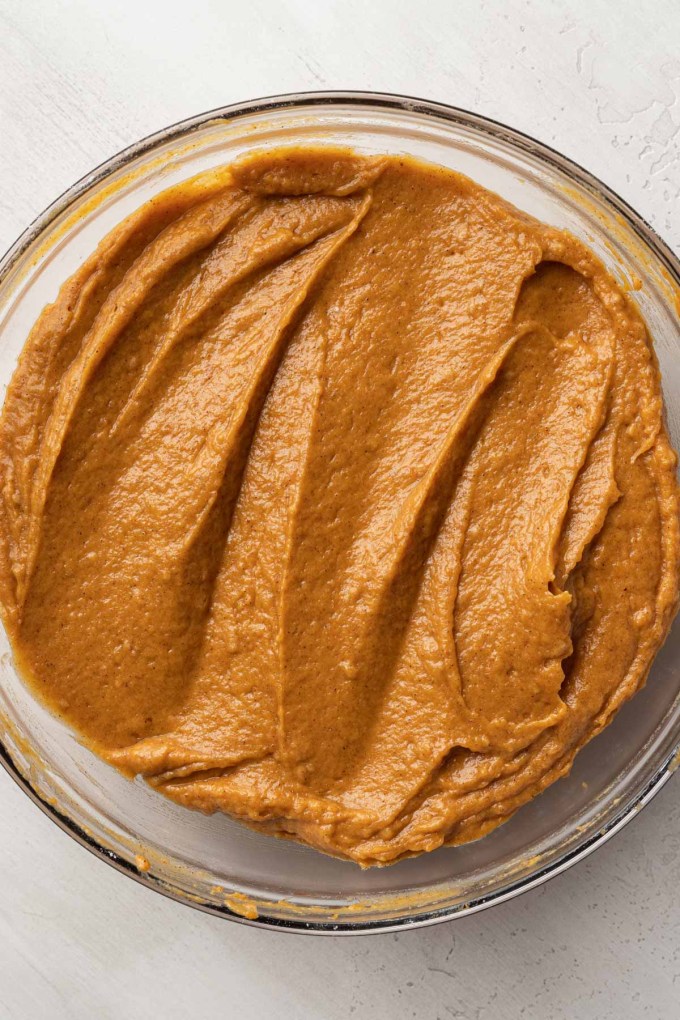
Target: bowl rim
(439,111)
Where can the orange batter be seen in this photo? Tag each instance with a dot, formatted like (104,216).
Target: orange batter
(336,496)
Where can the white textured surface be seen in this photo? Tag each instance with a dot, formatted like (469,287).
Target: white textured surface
(598,79)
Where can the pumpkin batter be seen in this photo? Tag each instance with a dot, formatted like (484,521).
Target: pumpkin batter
(336,496)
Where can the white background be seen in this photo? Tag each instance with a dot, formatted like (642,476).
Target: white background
(599,80)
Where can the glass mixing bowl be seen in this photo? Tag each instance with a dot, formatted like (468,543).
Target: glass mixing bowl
(215,863)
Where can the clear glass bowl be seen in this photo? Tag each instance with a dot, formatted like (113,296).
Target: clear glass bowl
(220,865)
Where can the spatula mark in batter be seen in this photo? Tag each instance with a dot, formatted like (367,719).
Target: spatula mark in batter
(194,230)
(330,745)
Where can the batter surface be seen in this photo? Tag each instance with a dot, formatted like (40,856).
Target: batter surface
(336,496)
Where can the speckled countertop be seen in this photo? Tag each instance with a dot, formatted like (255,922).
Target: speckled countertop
(600,80)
